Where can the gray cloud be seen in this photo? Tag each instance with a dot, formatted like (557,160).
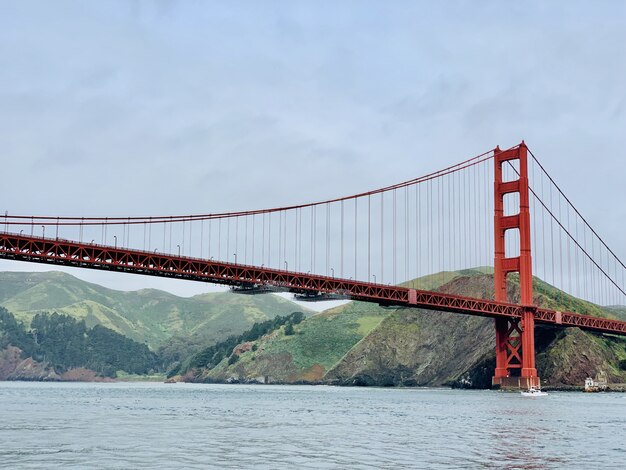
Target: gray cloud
(174,107)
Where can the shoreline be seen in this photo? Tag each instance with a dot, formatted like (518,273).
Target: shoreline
(616,388)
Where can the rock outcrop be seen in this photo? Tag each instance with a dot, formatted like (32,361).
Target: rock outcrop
(14,367)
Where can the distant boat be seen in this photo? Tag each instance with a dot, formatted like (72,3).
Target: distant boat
(534,392)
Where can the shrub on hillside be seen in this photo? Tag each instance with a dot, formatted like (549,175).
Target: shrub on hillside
(213,355)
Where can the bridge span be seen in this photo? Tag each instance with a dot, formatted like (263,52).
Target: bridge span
(483,210)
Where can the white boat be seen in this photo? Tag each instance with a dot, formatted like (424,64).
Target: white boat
(533,392)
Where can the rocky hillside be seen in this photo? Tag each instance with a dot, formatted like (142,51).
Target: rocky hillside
(148,316)
(417,347)
(363,344)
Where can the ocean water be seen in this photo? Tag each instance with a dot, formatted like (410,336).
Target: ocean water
(150,425)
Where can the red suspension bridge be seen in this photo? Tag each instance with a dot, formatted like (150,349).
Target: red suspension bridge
(386,246)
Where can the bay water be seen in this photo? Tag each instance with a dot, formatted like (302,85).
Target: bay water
(154,425)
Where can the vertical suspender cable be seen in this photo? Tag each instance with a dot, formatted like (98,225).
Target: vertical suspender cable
(327,238)
(382,236)
(487,184)
(280,242)
(236,250)
(369,238)
(269,239)
(227,240)
(430,228)
(393,244)
(417,233)
(295,240)
(439,232)
(476,219)
(300,242)
(449,229)
(406,233)
(313,232)
(341,249)
(356,245)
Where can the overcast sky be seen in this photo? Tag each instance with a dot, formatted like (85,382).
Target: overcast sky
(159,107)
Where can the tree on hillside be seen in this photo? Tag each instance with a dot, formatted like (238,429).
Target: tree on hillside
(12,333)
(65,343)
(108,351)
(60,340)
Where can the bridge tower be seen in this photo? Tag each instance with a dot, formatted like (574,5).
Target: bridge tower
(515,337)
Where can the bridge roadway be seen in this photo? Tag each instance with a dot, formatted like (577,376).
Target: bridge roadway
(109,258)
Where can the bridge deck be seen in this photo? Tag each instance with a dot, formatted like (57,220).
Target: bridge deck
(92,256)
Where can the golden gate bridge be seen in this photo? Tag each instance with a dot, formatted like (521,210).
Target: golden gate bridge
(499,212)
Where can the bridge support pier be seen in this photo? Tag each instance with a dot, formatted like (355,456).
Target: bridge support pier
(515,337)
(515,352)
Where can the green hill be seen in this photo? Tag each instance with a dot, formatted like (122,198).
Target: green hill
(364,344)
(148,316)
(619,311)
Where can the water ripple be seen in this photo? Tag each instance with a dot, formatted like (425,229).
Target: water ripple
(117,425)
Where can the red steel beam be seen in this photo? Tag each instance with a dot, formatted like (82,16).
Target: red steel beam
(92,256)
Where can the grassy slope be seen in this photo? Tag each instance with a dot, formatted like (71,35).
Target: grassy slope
(619,311)
(434,281)
(148,315)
